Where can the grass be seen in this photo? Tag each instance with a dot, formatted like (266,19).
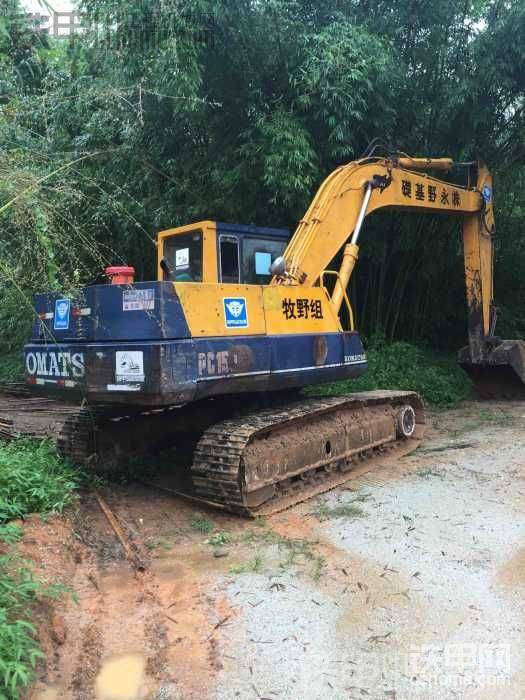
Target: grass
(343,510)
(318,565)
(437,378)
(158,543)
(33,478)
(476,418)
(430,472)
(253,565)
(350,509)
(292,552)
(10,533)
(219,539)
(498,417)
(19,648)
(201,525)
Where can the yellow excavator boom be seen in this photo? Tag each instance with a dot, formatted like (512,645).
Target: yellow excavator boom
(335,216)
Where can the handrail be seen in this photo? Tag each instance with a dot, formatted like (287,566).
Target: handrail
(335,273)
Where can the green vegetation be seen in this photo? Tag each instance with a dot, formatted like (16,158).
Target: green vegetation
(10,533)
(348,509)
(291,551)
(495,416)
(236,111)
(11,368)
(323,511)
(253,566)
(201,525)
(403,366)
(32,479)
(19,649)
(318,566)
(219,539)
(158,543)
(426,473)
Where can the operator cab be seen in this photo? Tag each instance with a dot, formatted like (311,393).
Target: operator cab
(214,252)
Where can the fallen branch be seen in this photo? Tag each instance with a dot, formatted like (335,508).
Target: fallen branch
(131,555)
(379,637)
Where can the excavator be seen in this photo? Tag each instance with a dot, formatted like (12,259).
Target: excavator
(211,356)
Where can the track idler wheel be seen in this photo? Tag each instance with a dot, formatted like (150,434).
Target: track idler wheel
(405,422)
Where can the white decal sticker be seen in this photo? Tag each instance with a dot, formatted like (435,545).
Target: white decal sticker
(129,366)
(55,364)
(123,387)
(138,300)
(182,259)
(355,359)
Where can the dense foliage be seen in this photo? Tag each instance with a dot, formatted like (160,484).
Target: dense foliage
(163,113)
(33,478)
(400,365)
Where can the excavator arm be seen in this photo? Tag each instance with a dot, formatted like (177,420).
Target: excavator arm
(335,216)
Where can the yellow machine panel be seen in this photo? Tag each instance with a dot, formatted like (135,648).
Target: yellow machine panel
(268,310)
(211,309)
(290,310)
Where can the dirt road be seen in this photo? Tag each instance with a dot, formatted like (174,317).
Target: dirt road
(408,583)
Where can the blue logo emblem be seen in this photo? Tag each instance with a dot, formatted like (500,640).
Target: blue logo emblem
(62,309)
(487,193)
(235,312)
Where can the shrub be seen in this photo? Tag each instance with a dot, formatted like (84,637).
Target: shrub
(19,590)
(33,479)
(401,365)
(11,367)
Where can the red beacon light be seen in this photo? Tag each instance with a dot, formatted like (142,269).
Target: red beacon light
(120,274)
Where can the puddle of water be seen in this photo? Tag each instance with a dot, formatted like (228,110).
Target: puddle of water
(121,678)
(200,563)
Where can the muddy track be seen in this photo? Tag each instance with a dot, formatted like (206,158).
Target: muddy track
(156,619)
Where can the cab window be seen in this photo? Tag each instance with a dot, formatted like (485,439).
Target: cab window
(183,255)
(229,259)
(257,256)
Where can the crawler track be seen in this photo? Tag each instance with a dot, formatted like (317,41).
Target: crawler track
(258,462)
(22,414)
(270,460)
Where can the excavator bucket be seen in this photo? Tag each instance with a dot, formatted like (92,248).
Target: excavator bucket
(501,374)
